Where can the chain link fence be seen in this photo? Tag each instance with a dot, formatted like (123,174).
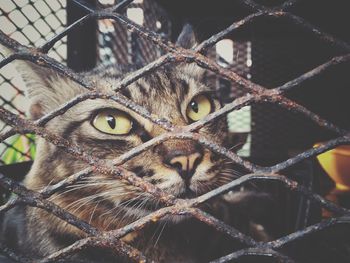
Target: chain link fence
(31,24)
(156,50)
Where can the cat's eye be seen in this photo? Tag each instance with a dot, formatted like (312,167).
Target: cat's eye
(199,107)
(113,122)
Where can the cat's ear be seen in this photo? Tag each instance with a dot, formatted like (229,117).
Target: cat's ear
(45,88)
(187,38)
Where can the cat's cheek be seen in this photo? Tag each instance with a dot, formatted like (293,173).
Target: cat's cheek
(170,181)
(204,175)
(202,178)
(216,131)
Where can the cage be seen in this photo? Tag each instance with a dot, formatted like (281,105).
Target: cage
(272,63)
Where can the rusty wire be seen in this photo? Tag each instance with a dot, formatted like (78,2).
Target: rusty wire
(172,205)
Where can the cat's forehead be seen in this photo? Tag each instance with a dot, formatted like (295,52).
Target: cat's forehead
(163,91)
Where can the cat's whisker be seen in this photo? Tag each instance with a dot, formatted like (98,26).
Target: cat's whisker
(80,186)
(55,196)
(71,188)
(155,232)
(47,185)
(116,216)
(79,204)
(101,197)
(129,212)
(123,206)
(109,211)
(160,226)
(87,199)
(93,212)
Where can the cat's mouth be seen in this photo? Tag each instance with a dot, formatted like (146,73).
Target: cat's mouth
(187,194)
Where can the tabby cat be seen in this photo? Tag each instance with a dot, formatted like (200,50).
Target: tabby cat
(107,129)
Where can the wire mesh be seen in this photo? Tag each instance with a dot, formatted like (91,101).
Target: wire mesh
(119,46)
(174,206)
(32,24)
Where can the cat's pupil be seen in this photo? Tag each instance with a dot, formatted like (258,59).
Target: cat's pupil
(194,106)
(111,121)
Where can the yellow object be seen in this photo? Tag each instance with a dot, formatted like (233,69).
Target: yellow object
(199,107)
(336,163)
(113,122)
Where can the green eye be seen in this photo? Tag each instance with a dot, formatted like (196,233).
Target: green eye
(112,122)
(199,107)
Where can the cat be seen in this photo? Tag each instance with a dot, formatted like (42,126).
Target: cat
(106,129)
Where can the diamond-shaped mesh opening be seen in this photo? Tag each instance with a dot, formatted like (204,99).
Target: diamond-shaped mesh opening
(118,45)
(30,23)
(264,49)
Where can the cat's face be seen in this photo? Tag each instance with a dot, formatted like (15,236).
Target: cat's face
(107,129)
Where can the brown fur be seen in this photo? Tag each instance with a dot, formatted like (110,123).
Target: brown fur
(102,200)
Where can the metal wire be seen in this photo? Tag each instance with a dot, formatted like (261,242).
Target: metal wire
(173,206)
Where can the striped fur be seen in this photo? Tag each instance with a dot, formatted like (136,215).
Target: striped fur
(103,201)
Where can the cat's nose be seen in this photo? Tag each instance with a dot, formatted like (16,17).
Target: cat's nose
(185,164)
